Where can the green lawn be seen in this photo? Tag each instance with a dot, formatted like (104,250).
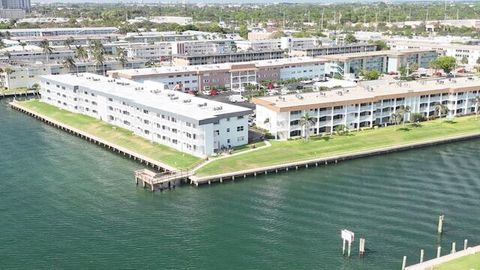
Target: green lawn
(318,147)
(470,262)
(116,135)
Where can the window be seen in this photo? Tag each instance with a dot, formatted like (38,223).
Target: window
(240,128)
(240,139)
(228,129)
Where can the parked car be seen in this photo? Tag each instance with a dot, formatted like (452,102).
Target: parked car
(236,98)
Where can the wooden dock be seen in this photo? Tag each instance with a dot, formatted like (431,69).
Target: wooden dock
(160,181)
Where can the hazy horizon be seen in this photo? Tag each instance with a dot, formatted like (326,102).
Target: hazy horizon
(234,1)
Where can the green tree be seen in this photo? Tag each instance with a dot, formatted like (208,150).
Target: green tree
(36,88)
(340,129)
(243,31)
(396,118)
(476,100)
(47,50)
(122,56)
(99,57)
(404,110)
(446,63)
(415,118)
(23,44)
(381,45)
(350,38)
(81,53)
(440,109)
(306,121)
(69,42)
(464,60)
(69,63)
(370,75)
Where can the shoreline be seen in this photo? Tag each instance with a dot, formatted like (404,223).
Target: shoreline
(324,161)
(241,174)
(156,165)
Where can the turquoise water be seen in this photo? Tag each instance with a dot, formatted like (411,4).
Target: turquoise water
(67,204)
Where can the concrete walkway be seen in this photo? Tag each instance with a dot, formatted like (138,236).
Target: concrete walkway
(428,265)
(267,144)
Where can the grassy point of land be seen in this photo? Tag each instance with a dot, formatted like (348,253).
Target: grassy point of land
(119,136)
(326,146)
(470,262)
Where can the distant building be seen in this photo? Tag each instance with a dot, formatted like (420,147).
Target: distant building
(12,14)
(16,4)
(219,58)
(48,32)
(172,19)
(26,74)
(381,61)
(335,49)
(233,76)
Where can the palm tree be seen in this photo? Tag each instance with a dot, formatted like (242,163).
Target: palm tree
(8,71)
(122,56)
(477,105)
(340,129)
(404,110)
(69,42)
(99,60)
(81,53)
(69,63)
(306,121)
(396,117)
(441,109)
(35,87)
(23,44)
(47,50)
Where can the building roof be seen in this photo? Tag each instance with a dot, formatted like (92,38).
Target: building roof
(153,96)
(166,70)
(371,91)
(362,55)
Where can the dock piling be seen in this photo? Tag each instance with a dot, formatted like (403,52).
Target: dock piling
(361,248)
(440,224)
(454,247)
(404,262)
(422,252)
(465,244)
(439,251)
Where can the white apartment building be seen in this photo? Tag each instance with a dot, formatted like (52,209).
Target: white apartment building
(156,51)
(287,43)
(47,32)
(189,124)
(258,45)
(196,47)
(228,75)
(33,54)
(381,61)
(26,74)
(363,106)
(172,19)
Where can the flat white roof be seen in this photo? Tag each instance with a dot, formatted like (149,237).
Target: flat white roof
(154,96)
(132,73)
(367,92)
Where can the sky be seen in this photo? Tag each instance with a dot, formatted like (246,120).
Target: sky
(228,1)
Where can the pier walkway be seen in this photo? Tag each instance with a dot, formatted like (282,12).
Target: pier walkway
(161,181)
(431,264)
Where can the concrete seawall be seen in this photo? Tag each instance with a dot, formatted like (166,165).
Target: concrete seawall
(156,165)
(198,180)
(237,175)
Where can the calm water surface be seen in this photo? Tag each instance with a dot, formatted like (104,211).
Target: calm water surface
(67,204)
